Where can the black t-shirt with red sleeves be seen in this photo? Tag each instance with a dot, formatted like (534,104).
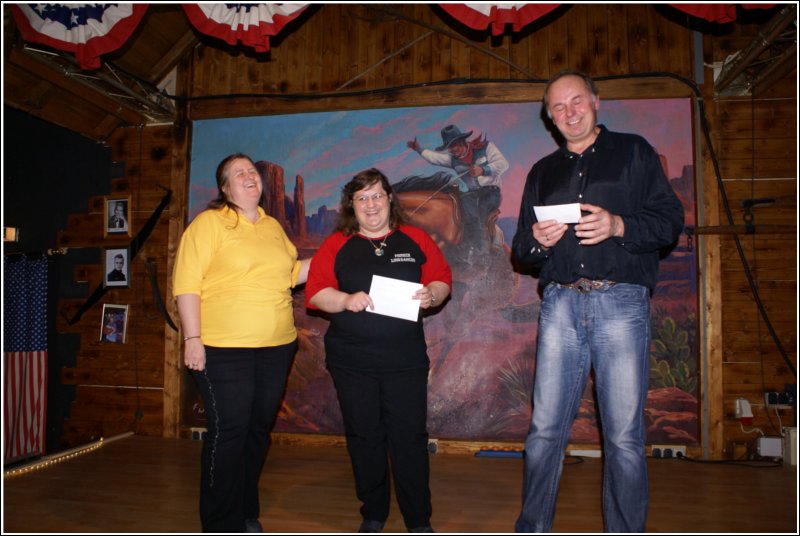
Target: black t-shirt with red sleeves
(364,340)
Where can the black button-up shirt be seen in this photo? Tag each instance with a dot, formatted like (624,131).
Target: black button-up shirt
(621,173)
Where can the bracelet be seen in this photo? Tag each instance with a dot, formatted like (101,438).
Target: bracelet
(187,338)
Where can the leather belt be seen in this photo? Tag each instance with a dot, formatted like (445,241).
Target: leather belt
(588,285)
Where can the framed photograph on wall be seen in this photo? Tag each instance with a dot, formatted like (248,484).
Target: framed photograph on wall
(116,272)
(116,215)
(114,323)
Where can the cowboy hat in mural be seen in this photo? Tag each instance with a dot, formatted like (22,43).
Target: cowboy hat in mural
(450,134)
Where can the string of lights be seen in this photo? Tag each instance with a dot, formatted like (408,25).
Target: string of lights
(59,457)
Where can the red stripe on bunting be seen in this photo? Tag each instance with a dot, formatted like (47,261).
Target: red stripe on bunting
(721,13)
(481,16)
(250,24)
(87,41)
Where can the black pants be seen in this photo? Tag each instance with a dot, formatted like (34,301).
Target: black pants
(242,390)
(385,414)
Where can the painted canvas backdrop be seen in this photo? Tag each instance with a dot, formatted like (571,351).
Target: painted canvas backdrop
(482,343)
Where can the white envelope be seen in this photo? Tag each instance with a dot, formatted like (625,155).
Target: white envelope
(569,213)
(392,297)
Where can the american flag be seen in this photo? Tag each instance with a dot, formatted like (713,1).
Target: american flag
(86,30)
(24,357)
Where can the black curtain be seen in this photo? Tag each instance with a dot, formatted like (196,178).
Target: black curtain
(48,173)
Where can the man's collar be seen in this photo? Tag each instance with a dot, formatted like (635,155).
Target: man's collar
(602,140)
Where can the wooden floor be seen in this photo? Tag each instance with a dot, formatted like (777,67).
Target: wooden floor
(142,484)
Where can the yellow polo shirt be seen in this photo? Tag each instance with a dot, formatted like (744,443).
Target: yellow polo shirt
(243,273)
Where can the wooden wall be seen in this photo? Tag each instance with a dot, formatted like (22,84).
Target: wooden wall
(341,48)
(755,139)
(373,46)
(120,387)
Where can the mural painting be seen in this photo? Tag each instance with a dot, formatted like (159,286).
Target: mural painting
(482,343)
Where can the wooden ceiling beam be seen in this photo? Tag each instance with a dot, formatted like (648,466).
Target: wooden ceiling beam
(776,70)
(768,34)
(37,67)
(172,56)
(454,93)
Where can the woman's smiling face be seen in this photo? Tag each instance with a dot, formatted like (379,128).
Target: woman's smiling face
(371,208)
(244,183)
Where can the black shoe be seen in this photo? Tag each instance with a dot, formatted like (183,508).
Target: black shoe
(370,525)
(426,528)
(253,525)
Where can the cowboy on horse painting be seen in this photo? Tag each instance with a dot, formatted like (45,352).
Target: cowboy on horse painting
(478,165)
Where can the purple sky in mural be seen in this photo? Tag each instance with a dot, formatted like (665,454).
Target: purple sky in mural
(328,148)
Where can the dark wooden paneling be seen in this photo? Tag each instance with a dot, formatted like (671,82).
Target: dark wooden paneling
(133,371)
(158,41)
(757,144)
(353,38)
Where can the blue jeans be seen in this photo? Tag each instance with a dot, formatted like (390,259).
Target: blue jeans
(607,329)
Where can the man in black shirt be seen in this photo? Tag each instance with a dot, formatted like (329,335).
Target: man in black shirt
(596,277)
(117,274)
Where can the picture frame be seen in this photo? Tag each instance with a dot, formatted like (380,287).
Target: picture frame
(116,216)
(114,323)
(116,272)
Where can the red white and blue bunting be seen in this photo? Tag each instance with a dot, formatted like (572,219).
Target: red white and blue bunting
(480,16)
(248,24)
(86,30)
(91,30)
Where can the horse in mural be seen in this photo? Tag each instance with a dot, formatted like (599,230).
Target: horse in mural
(476,354)
(464,226)
(462,220)
(431,203)
(438,213)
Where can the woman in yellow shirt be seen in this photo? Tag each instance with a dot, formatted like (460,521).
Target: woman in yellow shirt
(234,272)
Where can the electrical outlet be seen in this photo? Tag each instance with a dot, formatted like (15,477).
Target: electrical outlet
(668,451)
(778,400)
(198,433)
(433,446)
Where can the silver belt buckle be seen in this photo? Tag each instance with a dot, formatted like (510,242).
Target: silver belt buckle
(584,285)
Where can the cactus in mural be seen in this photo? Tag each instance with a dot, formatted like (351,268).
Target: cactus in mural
(671,362)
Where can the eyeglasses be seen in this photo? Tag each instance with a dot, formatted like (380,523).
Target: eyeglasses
(362,199)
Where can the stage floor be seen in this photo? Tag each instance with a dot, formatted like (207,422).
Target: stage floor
(149,485)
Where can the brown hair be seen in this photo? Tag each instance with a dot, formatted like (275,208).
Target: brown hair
(222,199)
(348,224)
(222,181)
